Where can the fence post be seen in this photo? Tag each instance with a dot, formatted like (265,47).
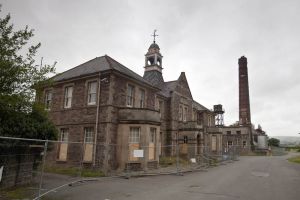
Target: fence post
(43,166)
(177,158)
(81,158)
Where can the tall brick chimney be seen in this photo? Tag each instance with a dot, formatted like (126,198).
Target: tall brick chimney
(244,101)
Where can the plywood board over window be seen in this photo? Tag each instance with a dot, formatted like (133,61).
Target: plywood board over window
(152,138)
(134,142)
(63,146)
(214,143)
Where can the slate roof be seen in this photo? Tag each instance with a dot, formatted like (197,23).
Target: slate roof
(155,78)
(198,106)
(167,88)
(98,64)
(154,46)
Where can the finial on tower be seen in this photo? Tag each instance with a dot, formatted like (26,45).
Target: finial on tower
(154,35)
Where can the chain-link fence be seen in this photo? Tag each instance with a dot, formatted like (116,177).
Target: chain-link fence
(50,165)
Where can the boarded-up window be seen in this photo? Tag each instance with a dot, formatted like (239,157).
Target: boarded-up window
(134,142)
(152,138)
(63,147)
(92,93)
(88,144)
(214,143)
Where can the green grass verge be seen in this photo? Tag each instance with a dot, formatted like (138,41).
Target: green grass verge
(17,193)
(20,192)
(72,171)
(171,160)
(295,159)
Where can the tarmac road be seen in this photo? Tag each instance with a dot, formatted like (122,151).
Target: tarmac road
(250,178)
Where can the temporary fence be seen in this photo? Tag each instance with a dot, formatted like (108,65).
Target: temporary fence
(49,165)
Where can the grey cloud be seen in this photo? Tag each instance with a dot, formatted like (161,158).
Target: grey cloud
(202,38)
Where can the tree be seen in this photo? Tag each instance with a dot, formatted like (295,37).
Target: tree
(20,80)
(274,142)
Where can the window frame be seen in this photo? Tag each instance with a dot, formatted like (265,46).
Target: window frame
(160,107)
(180,113)
(152,135)
(134,137)
(89,93)
(64,133)
(130,97)
(47,102)
(89,139)
(142,98)
(229,145)
(68,98)
(184,116)
(185,139)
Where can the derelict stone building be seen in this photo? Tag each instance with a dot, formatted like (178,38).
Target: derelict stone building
(114,112)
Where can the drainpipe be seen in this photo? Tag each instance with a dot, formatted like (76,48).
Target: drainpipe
(97,122)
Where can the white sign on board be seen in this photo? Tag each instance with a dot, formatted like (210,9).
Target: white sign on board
(193,160)
(138,153)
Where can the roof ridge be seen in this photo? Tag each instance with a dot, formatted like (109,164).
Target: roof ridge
(200,104)
(108,61)
(111,59)
(171,81)
(121,65)
(77,66)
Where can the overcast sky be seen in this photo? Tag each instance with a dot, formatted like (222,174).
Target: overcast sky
(202,38)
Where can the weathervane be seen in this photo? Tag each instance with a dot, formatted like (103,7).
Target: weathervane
(154,35)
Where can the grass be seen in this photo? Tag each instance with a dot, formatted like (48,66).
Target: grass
(17,193)
(20,192)
(72,171)
(295,159)
(293,149)
(171,160)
